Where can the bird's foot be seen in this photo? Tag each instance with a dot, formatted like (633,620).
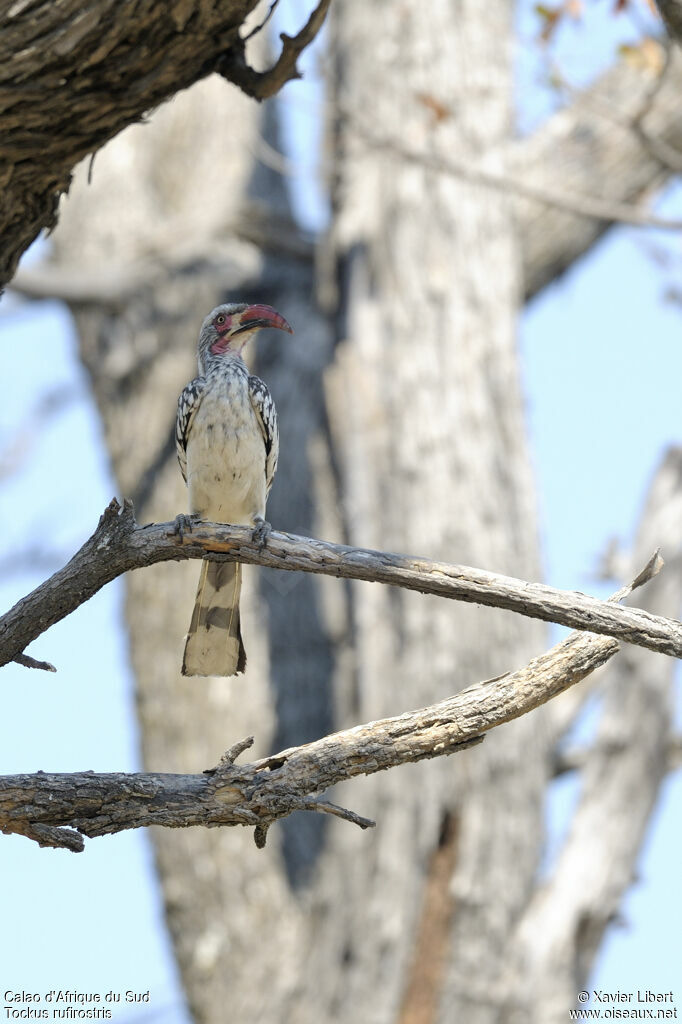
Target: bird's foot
(184,524)
(261,531)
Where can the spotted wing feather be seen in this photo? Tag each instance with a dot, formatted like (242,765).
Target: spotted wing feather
(264,408)
(188,403)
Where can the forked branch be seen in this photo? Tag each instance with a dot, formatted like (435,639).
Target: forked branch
(261,85)
(59,809)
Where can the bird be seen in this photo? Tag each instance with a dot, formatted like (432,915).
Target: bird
(227,442)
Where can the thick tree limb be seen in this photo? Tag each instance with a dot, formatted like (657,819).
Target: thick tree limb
(74,74)
(48,807)
(119,545)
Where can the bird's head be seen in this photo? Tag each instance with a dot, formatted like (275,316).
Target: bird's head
(227,328)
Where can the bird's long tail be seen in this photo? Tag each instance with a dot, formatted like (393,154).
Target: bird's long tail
(214,642)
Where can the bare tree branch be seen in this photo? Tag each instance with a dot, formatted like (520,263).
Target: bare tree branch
(115,286)
(119,545)
(263,84)
(47,807)
(577,150)
(57,809)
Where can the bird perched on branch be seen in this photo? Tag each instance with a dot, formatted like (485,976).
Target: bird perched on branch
(227,442)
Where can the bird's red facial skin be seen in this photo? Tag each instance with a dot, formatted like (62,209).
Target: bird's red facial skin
(223,325)
(234,331)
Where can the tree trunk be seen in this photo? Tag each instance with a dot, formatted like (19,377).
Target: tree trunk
(427,417)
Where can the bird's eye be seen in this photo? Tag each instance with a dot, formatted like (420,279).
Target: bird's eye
(220,319)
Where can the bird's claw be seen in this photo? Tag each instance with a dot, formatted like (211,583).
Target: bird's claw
(261,531)
(184,524)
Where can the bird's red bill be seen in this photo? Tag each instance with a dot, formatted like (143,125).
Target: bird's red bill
(263,316)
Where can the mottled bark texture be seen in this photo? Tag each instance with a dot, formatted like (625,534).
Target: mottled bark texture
(74,74)
(421,406)
(426,415)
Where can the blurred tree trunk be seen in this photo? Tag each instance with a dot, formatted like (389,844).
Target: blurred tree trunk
(427,419)
(402,427)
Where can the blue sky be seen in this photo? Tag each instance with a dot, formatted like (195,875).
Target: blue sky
(595,346)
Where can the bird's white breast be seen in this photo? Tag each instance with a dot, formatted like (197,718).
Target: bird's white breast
(226,454)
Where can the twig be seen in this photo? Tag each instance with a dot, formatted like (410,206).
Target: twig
(263,84)
(230,756)
(325,807)
(28,662)
(119,545)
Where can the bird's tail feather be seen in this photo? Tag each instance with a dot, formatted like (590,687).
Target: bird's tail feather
(214,642)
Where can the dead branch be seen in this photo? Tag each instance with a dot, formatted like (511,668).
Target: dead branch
(58,809)
(263,84)
(119,545)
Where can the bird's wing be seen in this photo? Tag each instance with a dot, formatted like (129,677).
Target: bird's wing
(266,414)
(188,403)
